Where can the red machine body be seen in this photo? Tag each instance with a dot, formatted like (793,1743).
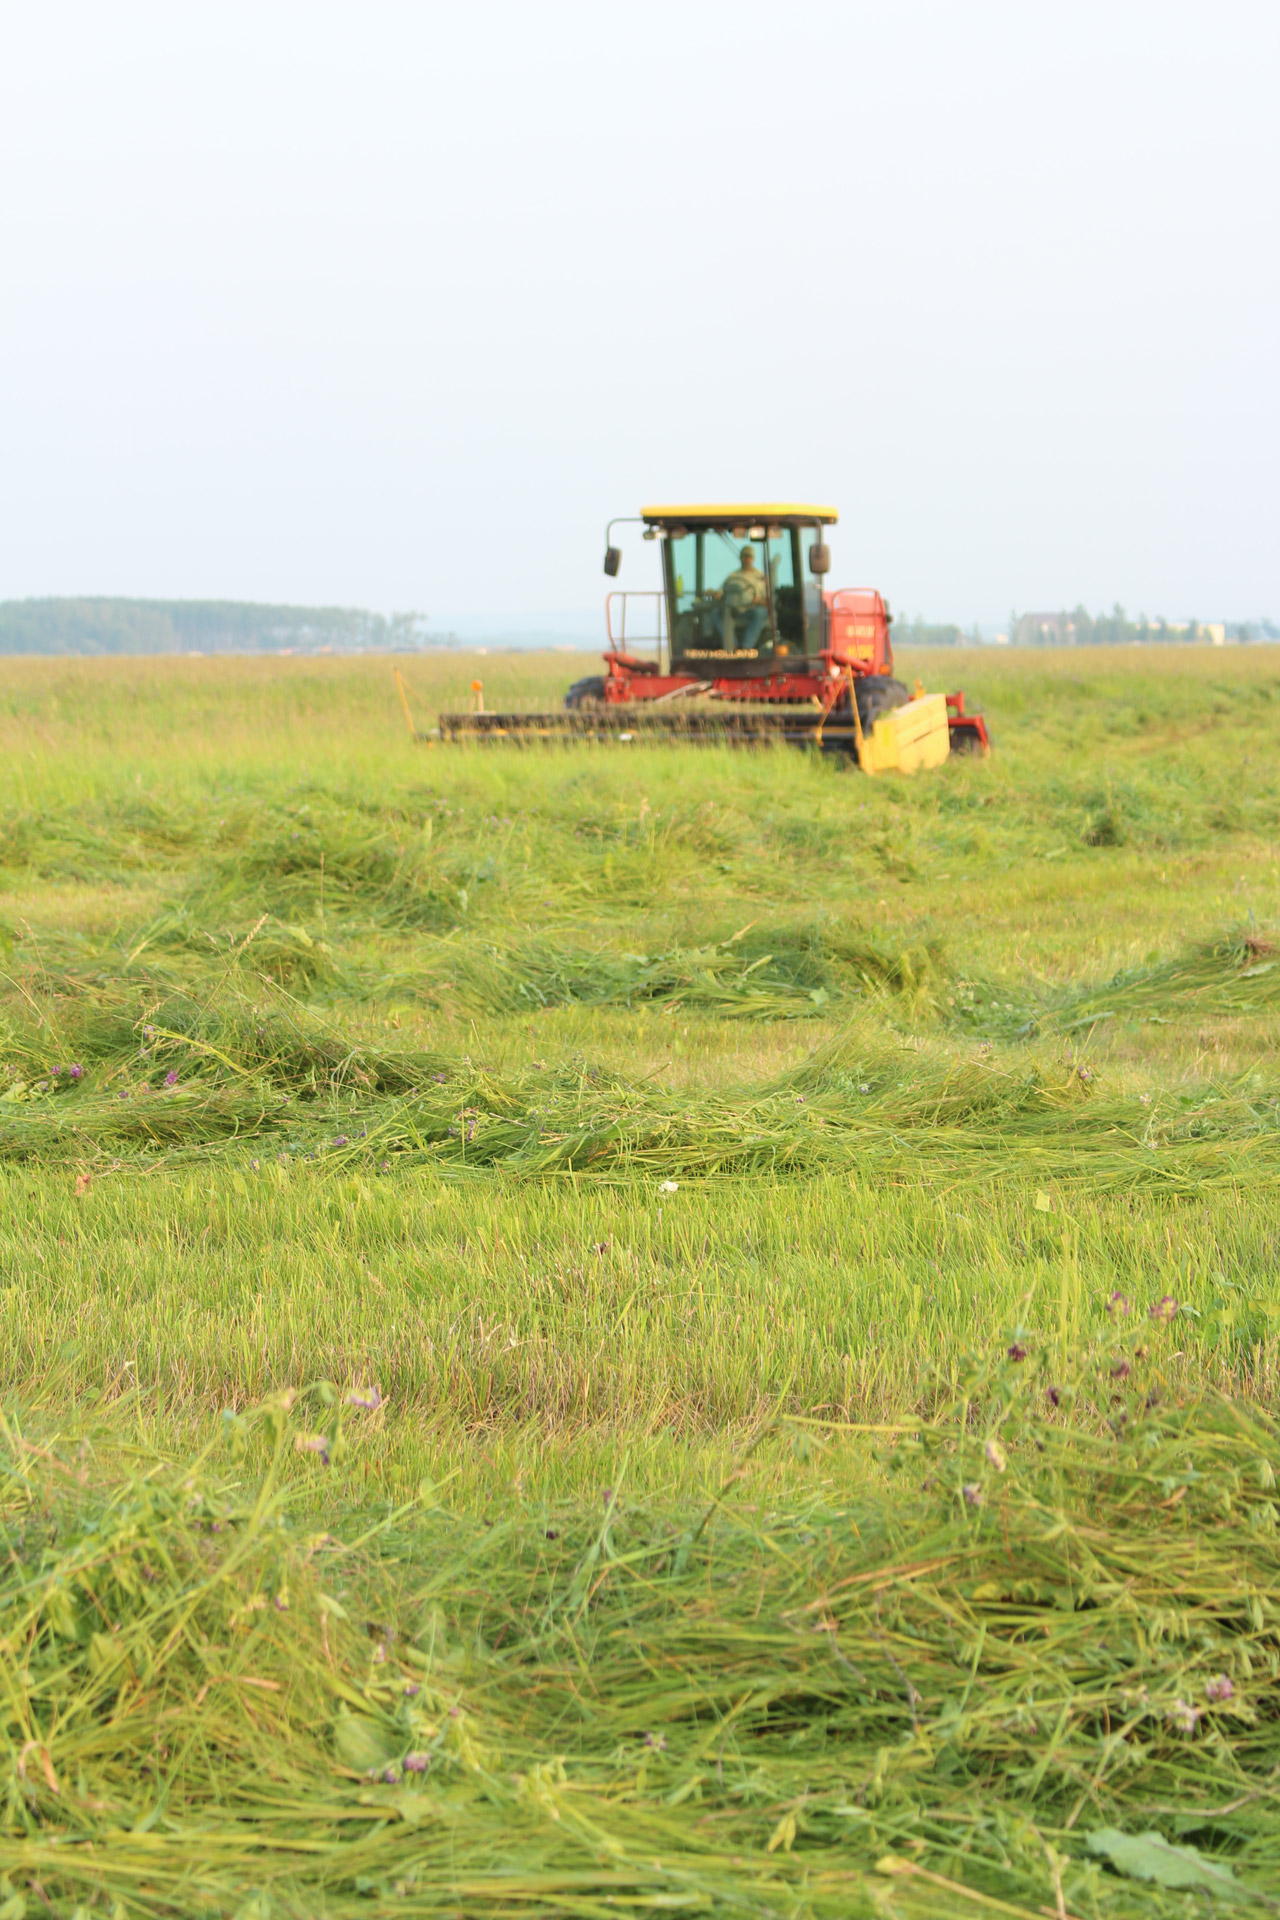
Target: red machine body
(858,622)
(856,619)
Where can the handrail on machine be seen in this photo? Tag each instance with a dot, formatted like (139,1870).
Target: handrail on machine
(615,620)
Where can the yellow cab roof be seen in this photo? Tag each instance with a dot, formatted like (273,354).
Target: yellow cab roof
(785,513)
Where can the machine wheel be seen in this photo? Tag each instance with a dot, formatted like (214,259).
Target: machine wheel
(586,695)
(877,694)
(965,737)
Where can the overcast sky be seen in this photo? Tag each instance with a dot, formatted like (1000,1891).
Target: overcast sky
(393,305)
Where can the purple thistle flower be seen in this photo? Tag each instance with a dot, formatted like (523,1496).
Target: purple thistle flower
(1164,1309)
(1220,1688)
(171,1078)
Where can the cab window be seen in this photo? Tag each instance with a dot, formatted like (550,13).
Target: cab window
(734,591)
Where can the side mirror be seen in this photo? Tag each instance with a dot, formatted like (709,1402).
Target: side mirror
(820,558)
(612,560)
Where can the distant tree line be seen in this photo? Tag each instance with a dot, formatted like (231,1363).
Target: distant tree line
(923,633)
(1080,628)
(199,626)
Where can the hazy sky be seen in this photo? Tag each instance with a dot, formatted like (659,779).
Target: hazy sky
(394,305)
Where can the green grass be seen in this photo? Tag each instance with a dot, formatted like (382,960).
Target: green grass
(621,1115)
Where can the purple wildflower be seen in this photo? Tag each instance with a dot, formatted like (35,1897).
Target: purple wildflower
(1118,1306)
(416,1762)
(1119,1369)
(972,1493)
(658,1741)
(341,1140)
(1017,1351)
(1184,1716)
(1053,1396)
(1164,1309)
(75,1071)
(391,1775)
(171,1078)
(370,1399)
(1220,1688)
(55,1071)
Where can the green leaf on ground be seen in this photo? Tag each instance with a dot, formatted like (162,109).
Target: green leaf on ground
(1149,1856)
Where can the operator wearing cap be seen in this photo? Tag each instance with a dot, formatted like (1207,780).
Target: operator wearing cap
(745,598)
(746,587)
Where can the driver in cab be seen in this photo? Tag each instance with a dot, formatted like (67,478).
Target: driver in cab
(745,597)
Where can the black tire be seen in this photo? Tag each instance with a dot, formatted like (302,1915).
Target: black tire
(965,738)
(877,694)
(586,694)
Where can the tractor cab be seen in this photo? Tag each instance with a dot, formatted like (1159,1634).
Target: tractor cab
(744,599)
(743,584)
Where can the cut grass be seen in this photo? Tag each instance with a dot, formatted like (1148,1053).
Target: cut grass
(1061,1626)
(614,1116)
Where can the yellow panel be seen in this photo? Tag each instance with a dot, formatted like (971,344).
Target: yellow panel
(909,738)
(738,513)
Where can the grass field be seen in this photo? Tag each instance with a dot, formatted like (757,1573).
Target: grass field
(638,1328)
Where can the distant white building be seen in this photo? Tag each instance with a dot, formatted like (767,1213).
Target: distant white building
(1045,629)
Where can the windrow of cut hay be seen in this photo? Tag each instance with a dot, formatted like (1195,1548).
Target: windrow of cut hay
(102,1065)
(1044,1657)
